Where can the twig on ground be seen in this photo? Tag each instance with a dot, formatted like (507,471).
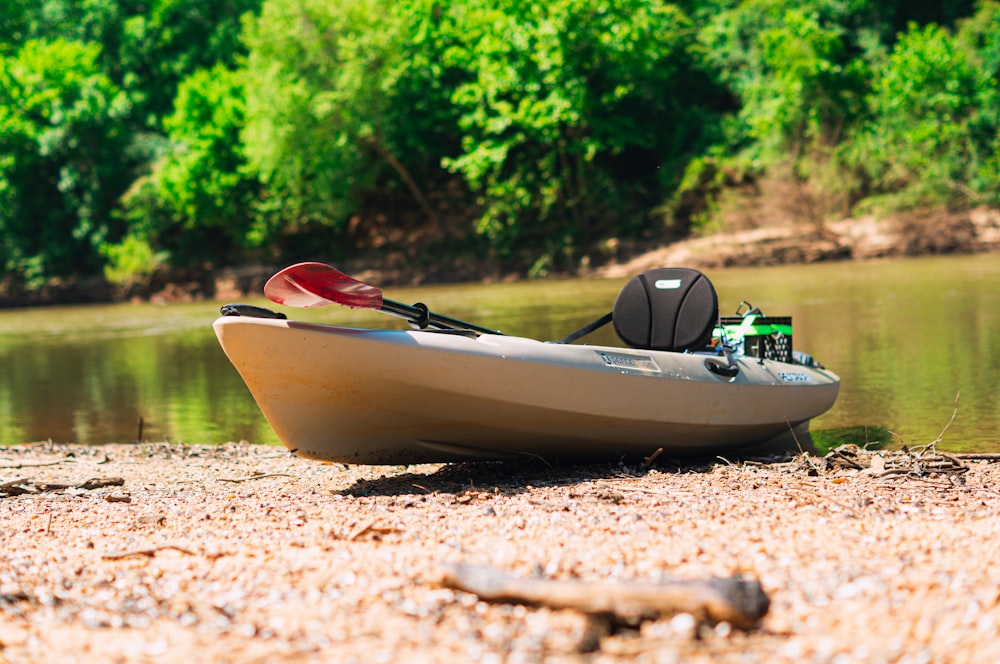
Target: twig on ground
(735,600)
(923,464)
(826,499)
(368,527)
(32,465)
(15,488)
(669,493)
(258,476)
(101,482)
(648,461)
(19,487)
(953,414)
(904,463)
(845,457)
(148,552)
(978,456)
(360,530)
(805,456)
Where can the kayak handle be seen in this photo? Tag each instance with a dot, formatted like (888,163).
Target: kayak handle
(730,370)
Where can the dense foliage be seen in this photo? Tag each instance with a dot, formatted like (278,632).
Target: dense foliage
(137,135)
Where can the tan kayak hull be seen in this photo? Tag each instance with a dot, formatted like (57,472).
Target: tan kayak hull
(389,396)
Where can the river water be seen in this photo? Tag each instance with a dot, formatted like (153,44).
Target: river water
(915,341)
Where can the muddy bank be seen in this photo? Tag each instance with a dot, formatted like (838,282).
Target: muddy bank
(965,232)
(237,553)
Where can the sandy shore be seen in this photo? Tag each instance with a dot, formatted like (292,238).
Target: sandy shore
(242,553)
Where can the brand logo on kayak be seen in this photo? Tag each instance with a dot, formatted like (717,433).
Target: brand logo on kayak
(667,284)
(790,377)
(623,361)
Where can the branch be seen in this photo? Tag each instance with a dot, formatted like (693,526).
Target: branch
(403,173)
(740,602)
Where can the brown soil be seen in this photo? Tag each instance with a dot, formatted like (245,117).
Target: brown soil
(164,553)
(939,232)
(966,232)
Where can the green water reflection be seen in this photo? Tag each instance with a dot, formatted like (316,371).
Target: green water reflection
(906,336)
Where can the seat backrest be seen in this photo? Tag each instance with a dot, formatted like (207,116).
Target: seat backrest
(668,308)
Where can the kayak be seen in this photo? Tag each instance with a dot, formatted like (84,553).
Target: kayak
(372,396)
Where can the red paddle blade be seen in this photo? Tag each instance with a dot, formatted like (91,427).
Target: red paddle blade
(316,284)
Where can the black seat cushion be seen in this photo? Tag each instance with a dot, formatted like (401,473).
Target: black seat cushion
(669,308)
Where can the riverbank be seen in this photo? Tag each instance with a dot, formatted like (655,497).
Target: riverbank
(237,553)
(963,232)
(966,232)
(866,238)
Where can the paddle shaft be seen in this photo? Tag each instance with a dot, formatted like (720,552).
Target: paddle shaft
(419,315)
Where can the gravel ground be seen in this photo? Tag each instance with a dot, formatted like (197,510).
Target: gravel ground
(162,552)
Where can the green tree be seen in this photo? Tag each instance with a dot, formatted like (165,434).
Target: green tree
(569,112)
(162,42)
(795,83)
(147,46)
(793,68)
(14,21)
(195,207)
(61,147)
(932,123)
(197,202)
(979,36)
(318,87)
(808,96)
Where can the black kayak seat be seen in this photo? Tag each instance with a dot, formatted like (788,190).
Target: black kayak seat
(670,308)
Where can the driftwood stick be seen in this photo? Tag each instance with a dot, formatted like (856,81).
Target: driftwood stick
(648,461)
(258,476)
(101,482)
(18,487)
(978,456)
(148,552)
(32,465)
(368,527)
(740,602)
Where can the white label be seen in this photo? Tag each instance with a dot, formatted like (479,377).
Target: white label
(623,361)
(667,284)
(790,377)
